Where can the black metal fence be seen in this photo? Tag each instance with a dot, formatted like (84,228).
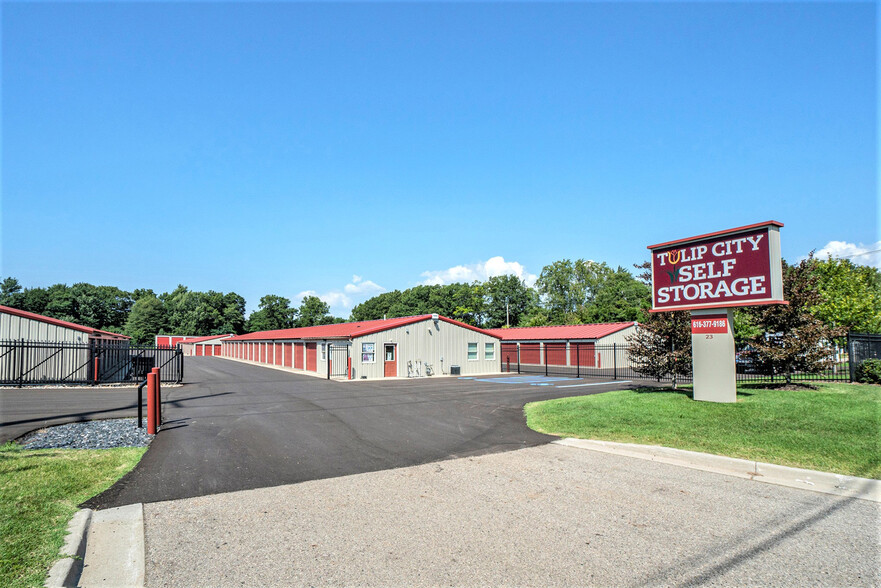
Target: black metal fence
(35,363)
(587,360)
(861,347)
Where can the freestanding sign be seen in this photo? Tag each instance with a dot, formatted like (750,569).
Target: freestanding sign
(710,275)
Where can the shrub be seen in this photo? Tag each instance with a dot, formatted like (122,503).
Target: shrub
(869,371)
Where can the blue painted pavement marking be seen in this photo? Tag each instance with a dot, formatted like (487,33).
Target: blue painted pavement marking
(533,380)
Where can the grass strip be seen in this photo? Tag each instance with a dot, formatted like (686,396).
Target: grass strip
(39,493)
(834,428)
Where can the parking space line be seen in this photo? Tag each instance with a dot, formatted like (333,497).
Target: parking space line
(595,384)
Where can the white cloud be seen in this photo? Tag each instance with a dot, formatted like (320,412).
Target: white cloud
(859,254)
(342,301)
(480,271)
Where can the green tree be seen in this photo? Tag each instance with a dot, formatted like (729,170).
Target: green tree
(507,300)
(850,295)
(794,339)
(661,345)
(377,307)
(10,293)
(617,297)
(146,319)
(232,314)
(313,311)
(274,313)
(62,303)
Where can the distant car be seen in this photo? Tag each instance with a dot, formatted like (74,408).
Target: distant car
(746,362)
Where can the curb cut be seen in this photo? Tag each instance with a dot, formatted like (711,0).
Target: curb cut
(115,554)
(66,571)
(825,482)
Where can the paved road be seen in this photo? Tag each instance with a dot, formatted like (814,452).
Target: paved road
(23,410)
(238,426)
(541,516)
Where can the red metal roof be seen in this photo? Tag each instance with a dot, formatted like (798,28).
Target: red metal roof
(559,332)
(60,323)
(770,223)
(203,339)
(346,330)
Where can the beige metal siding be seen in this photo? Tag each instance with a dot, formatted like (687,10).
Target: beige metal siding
(426,342)
(18,328)
(607,356)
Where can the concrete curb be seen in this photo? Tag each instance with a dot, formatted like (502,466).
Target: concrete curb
(66,571)
(828,483)
(115,551)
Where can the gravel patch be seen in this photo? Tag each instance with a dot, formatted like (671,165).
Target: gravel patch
(90,435)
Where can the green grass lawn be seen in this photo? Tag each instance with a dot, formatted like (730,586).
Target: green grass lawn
(39,493)
(834,428)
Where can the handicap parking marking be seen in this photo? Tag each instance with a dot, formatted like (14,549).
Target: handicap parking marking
(531,380)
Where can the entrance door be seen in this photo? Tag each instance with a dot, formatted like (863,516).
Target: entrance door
(391,360)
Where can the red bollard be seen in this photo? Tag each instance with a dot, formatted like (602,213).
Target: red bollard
(156,372)
(151,403)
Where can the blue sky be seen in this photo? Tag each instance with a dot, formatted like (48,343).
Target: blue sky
(349,148)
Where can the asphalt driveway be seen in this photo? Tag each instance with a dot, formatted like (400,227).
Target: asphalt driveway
(23,410)
(238,426)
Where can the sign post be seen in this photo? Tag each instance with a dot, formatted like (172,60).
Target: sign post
(710,275)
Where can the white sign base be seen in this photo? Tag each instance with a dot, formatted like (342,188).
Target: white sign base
(712,355)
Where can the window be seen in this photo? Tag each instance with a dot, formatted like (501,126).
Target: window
(324,352)
(489,351)
(472,352)
(368,352)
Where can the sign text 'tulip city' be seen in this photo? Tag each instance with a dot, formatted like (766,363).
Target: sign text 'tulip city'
(729,268)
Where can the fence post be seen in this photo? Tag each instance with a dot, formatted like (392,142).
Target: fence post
(614,361)
(850,363)
(20,353)
(577,360)
(518,358)
(543,349)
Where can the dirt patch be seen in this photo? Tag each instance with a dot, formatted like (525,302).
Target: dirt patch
(794,386)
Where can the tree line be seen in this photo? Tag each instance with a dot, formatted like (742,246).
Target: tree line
(142,314)
(843,296)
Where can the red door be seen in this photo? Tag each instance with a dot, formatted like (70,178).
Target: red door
(583,354)
(312,357)
(198,350)
(217,350)
(287,354)
(278,348)
(207,349)
(298,356)
(390,355)
(530,353)
(555,353)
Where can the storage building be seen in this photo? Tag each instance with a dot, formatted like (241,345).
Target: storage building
(414,346)
(38,349)
(203,346)
(579,347)
(173,340)
(18,325)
